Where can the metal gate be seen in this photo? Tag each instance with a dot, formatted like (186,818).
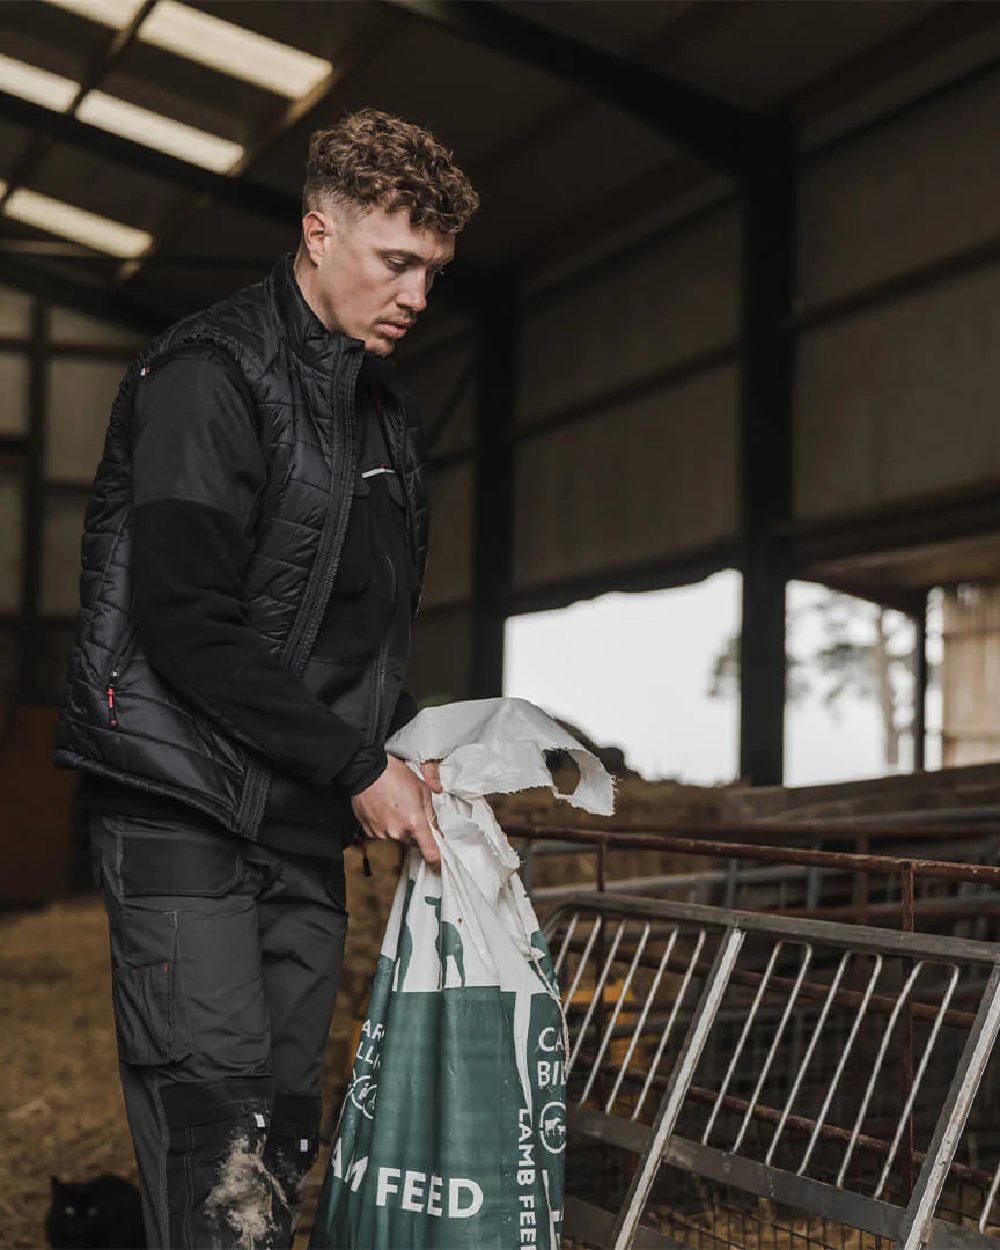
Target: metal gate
(799,1077)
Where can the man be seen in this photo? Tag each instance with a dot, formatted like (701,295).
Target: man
(253,554)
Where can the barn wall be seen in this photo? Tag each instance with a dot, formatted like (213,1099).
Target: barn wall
(82,361)
(642,479)
(663,303)
(896,401)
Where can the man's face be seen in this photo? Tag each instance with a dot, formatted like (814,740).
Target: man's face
(369,276)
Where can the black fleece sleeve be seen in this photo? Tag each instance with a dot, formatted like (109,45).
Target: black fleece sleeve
(198,471)
(406,709)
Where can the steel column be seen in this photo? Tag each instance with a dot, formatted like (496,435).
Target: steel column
(497,321)
(32,510)
(921,680)
(768,219)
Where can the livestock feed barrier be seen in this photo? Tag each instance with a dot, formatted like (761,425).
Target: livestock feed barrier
(736,1079)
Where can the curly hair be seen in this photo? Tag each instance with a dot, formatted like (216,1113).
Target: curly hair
(371,159)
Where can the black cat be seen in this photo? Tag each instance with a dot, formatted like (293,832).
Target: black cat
(100,1214)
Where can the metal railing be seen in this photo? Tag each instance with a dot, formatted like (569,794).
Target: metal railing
(902,874)
(801,1074)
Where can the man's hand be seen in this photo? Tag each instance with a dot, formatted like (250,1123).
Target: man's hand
(398,806)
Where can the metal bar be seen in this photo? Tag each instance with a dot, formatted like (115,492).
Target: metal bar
(571,927)
(626,986)
(802,1126)
(906,1031)
(583,959)
(943,870)
(991,1193)
(905,1125)
(595,997)
(707,126)
(640,1023)
(680,1079)
(820,932)
(817,991)
(671,1020)
(919,1213)
(943,823)
(807,1058)
(861,881)
(243,194)
(769,1060)
(675,881)
(876,1068)
(738,1048)
(871,1215)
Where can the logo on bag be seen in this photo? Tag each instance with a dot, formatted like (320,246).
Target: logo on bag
(553,1121)
(362,1092)
(448,944)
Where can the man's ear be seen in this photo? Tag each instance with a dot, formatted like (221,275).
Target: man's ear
(316,234)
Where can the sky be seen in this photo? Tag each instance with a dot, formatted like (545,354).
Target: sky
(634,671)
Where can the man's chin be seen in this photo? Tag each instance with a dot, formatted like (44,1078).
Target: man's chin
(379,346)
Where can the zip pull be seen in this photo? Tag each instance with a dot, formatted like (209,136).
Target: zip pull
(112,709)
(366,864)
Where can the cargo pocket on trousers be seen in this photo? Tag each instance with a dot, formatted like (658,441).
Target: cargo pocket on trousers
(150,1024)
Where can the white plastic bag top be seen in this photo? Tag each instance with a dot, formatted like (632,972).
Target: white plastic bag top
(497,746)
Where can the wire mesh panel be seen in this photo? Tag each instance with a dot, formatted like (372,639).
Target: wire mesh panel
(802,1082)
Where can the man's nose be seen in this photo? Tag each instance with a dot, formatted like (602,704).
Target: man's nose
(413,297)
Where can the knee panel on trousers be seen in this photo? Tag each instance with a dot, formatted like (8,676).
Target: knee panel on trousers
(220,1191)
(293,1142)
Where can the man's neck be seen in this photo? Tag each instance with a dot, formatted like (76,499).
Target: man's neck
(305,276)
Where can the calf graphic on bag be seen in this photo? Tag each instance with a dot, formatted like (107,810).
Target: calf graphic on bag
(447,943)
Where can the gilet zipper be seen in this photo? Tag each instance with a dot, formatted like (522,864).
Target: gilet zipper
(303,633)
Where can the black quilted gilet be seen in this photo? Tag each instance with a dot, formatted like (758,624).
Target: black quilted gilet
(300,380)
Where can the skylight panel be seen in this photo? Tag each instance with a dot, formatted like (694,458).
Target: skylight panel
(119,117)
(233,50)
(213,42)
(69,222)
(28,82)
(156,131)
(116,13)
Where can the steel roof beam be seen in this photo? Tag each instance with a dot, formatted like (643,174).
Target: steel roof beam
(715,130)
(82,297)
(251,197)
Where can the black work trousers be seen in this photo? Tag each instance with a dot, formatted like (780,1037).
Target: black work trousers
(225,962)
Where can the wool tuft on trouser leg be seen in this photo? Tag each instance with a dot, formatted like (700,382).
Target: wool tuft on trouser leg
(246,1200)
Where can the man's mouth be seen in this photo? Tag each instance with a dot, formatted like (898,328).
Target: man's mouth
(394,329)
